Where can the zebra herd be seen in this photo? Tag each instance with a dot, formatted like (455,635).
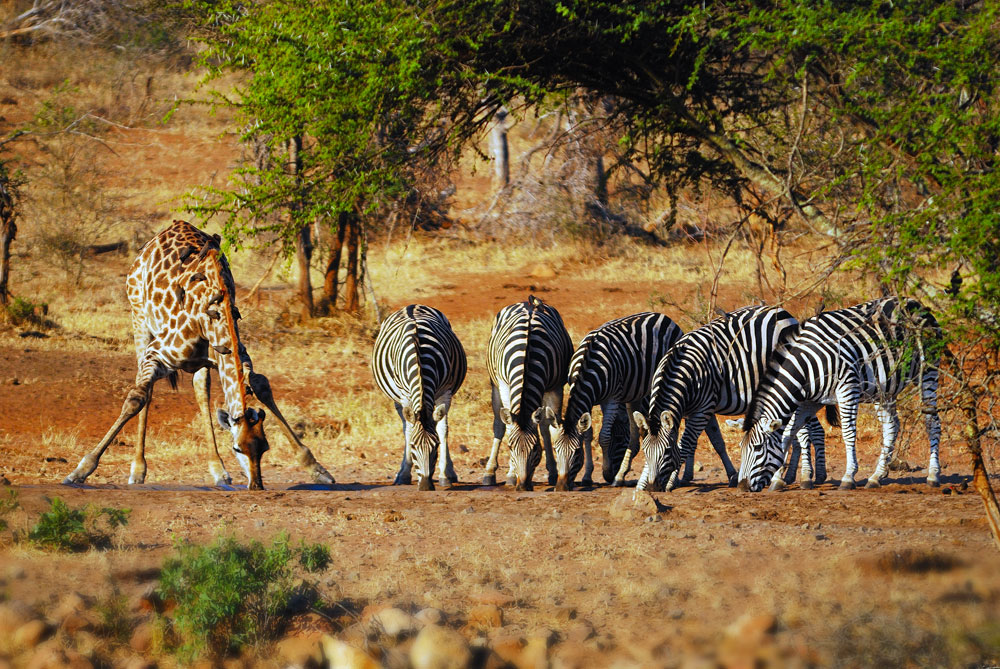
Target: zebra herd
(646,375)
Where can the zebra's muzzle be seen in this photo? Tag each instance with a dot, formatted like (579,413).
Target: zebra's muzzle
(425,483)
(563,484)
(743,486)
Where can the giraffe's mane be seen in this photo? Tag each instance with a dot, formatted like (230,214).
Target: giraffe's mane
(212,250)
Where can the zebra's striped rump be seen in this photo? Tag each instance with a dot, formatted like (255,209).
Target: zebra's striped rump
(419,364)
(527,359)
(613,367)
(863,354)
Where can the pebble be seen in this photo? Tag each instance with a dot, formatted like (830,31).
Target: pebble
(13,614)
(30,634)
(343,656)
(486,615)
(394,622)
(299,651)
(440,648)
(429,616)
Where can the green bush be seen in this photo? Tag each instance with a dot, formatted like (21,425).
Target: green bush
(230,595)
(23,312)
(64,529)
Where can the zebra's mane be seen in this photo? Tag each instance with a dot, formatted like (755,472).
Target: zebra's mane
(778,357)
(531,304)
(411,331)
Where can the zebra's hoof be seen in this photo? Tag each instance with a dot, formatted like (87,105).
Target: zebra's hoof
(872,484)
(403,480)
(452,478)
(446,482)
(618,483)
(490,479)
(734,480)
(512,481)
(807,484)
(848,485)
(553,479)
(933,482)
(777,485)
(587,483)
(819,478)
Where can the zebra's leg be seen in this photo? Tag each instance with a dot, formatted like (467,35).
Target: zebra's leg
(632,449)
(805,439)
(817,437)
(446,469)
(928,393)
(889,418)
(606,439)
(202,382)
(800,448)
(588,457)
(694,425)
(847,406)
(499,429)
(788,444)
(552,400)
(403,476)
(719,444)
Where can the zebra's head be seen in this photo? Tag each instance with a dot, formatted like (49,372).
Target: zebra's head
(525,451)
(659,446)
(249,442)
(423,442)
(567,446)
(760,453)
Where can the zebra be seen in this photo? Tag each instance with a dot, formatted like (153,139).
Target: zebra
(420,364)
(714,370)
(865,353)
(527,358)
(612,367)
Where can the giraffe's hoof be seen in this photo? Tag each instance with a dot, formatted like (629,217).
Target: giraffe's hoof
(777,485)
(807,484)
(322,477)
(135,480)
(71,480)
(490,479)
(873,484)
(848,484)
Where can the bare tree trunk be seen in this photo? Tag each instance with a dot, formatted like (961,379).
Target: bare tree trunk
(500,150)
(351,301)
(8,230)
(330,278)
(303,242)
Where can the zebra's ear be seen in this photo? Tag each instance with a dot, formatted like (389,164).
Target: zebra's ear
(440,411)
(408,415)
(551,416)
(666,423)
(583,424)
(505,416)
(536,416)
(640,421)
(774,425)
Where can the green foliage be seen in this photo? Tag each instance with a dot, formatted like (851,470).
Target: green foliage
(7,506)
(116,620)
(64,529)
(23,312)
(231,594)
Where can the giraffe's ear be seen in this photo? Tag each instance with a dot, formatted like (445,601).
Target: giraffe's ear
(224,421)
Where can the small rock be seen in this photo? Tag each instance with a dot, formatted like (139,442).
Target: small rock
(580,632)
(699,467)
(429,616)
(535,654)
(396,623)
(338,654)
(946,491)
(677,614)
(508,647)
(655,518)
(300,651)
(76,622)
(440,648)
(69,604)
(752,628)
(492,596)
(13,614)
(565,613)
(469,509)
(142,638)
(136,662)
(486,615)
(633,505)
(30,634)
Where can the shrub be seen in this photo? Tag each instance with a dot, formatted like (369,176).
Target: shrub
(23,312)
(7,506)
(230,595)
(64,529)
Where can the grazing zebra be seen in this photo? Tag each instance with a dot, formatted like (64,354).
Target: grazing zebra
(527,358)
(866,353)
(613,367)
(419,364)
(714,370)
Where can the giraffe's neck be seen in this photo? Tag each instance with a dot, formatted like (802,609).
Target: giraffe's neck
(233,378)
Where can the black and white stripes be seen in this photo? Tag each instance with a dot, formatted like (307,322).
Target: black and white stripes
(419,364)
(612,367)
(527,359)
(711,370)
(864,354)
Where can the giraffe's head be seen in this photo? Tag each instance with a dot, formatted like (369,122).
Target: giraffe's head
(249,442)
(525,451)
(659,446)
(567,446)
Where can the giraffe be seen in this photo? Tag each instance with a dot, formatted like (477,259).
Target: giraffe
(184,319)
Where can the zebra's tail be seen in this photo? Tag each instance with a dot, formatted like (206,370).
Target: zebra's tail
(832,415)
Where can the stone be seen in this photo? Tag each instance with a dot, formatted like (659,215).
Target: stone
(30,634)
(76,622)
(580,632)
(565,613)
(13,614)
(535,654)
(47,655)
(69,604)
(508,647)
(394,622)
(486,615)
(439,647)
(634,505)
(340,655)
(429,616)
(492,596)
(75,660)
(142,638)
(136,662)
(300,651)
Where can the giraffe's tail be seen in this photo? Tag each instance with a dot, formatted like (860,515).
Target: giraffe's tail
(172,380)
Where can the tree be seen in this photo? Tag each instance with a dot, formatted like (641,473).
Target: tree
(10,185)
